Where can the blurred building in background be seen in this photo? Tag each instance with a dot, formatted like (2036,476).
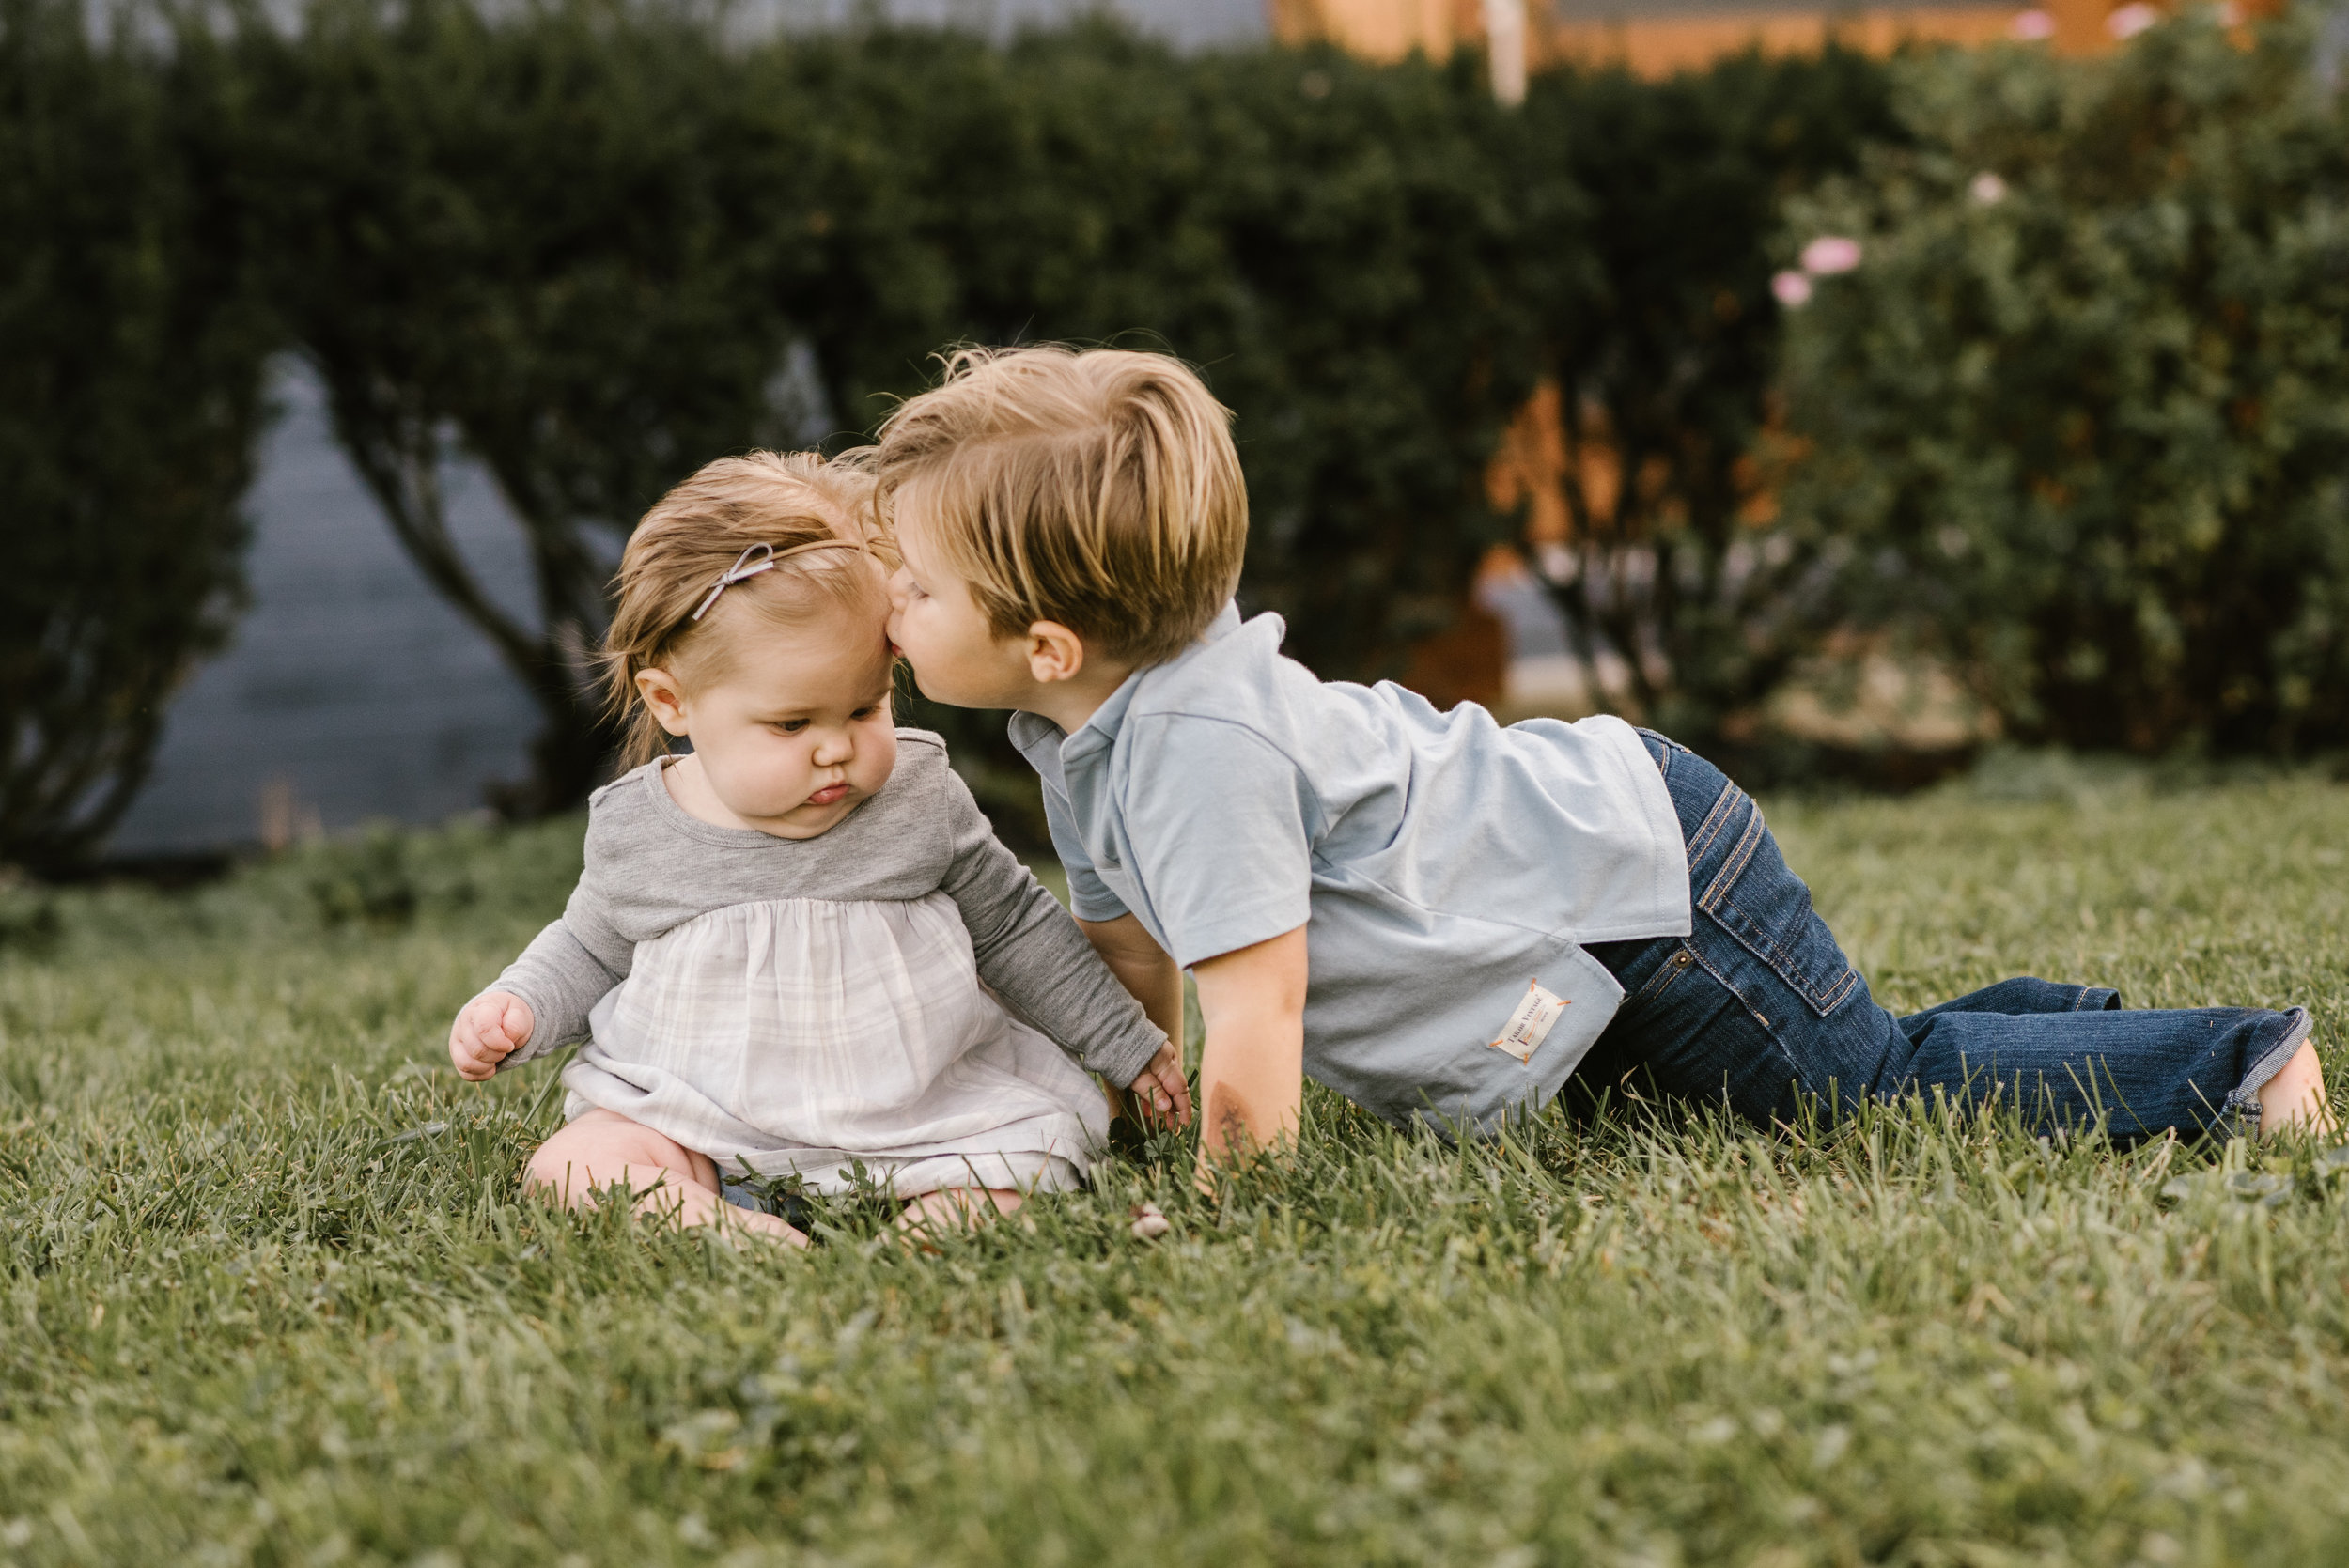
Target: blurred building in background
(1184,23)
(351,689)
(1655,37)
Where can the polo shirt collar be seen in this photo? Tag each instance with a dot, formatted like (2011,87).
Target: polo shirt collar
(1100,733)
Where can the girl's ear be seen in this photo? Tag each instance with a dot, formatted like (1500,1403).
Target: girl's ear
(663,699)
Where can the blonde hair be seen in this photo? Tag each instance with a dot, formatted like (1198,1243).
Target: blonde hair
(1097,489)
(693,535)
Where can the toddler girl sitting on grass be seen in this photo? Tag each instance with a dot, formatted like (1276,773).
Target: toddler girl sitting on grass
(798,949)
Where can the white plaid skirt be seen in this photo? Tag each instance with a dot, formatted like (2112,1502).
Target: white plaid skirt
(812,1037)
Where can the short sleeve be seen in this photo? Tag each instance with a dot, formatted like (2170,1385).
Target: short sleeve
(1218,819)
(1088,895)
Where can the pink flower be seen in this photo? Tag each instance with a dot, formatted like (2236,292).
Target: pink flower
(1792,289)
(2131,20)
(1987,189)
(2032,26)
(1829,255)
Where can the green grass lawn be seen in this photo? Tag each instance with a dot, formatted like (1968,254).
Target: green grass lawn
(271,1296)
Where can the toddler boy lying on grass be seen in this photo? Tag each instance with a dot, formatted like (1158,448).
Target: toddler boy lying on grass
(1437,917)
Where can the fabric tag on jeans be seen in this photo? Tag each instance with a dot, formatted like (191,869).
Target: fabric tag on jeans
(1530,1025)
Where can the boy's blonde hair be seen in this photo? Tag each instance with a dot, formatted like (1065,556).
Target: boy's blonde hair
(694,534)
(1096,488)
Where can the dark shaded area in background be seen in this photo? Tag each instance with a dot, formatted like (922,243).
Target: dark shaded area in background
(349,690)
(132,340)
(589,245)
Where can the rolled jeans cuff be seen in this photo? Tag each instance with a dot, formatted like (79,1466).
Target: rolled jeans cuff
(2267,1063)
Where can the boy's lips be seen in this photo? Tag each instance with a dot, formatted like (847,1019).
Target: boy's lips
(828,794)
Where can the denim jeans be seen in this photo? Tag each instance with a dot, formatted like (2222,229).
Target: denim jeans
(1758,1009)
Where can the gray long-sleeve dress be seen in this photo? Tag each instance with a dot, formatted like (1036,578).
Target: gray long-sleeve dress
(888,993)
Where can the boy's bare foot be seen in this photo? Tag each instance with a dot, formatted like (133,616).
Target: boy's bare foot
(2295,1099)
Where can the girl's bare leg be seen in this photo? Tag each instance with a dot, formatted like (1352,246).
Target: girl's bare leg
(671,1181)
(2294,1100)
(958,1208)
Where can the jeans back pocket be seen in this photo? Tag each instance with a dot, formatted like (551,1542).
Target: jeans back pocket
(1757,899)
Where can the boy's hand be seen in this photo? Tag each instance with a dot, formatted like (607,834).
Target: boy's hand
(491,1026)
(1161,1093)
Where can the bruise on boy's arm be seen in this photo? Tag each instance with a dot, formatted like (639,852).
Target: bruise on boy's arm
(1251,1077)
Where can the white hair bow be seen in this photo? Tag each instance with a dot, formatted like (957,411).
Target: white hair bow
(769,556)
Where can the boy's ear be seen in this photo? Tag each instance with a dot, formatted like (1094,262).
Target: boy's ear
(1055,653)
(661,695)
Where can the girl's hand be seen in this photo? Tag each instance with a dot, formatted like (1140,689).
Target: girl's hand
(489,1029)
(1161,1093)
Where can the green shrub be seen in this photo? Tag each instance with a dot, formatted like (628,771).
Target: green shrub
(132,346)
(1334,242)
(1369,326)
(1372,264)
(2083,409)
(1655,205)
(543,232)
(581,238)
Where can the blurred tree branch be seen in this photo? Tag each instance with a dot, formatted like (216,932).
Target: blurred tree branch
(132,349)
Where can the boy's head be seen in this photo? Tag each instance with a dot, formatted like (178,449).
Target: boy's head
(1096,490)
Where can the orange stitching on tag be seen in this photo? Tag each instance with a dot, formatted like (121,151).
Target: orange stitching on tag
(1530,1025)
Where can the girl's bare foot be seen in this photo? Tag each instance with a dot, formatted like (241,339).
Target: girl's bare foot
(731,1221)
(2295,1099)
(954,1209)
(667,1181)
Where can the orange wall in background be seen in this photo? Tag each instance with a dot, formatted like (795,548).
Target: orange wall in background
(1658,46)
(1380,29)
(1661,47)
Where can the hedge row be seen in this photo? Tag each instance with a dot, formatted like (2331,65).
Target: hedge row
(2082,412)
(582,238)
(132,342)
(586,239)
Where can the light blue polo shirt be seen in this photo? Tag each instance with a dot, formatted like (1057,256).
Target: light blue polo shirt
(1448,870)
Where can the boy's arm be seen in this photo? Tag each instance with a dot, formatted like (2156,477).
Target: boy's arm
(1251,1076)
(1142,967)
(1219,827)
